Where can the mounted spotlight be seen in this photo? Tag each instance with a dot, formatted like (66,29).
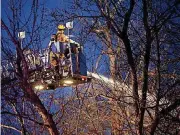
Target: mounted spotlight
(69,25)
(68,81)
(21,35)
(39,87)
(75,80)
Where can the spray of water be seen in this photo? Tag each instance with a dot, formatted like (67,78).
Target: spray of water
(114,84)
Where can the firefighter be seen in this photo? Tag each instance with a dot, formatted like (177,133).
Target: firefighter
(63,42)
(62,53)
(59,40)
(62,39)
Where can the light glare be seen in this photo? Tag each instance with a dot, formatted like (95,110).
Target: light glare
(39,87)
(68,81)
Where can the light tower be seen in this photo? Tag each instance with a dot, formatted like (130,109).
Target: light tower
(69,25)
(21,36)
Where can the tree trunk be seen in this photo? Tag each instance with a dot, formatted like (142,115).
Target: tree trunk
(133,70)
(145,68)
(47,118)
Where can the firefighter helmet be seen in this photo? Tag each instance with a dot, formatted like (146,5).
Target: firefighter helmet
(61,27)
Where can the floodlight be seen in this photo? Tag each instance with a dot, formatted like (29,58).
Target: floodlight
(39,87)
(21,35)
(68,81)
(69,25)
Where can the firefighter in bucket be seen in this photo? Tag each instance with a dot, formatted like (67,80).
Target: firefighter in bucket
(60,54)
(63,61)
